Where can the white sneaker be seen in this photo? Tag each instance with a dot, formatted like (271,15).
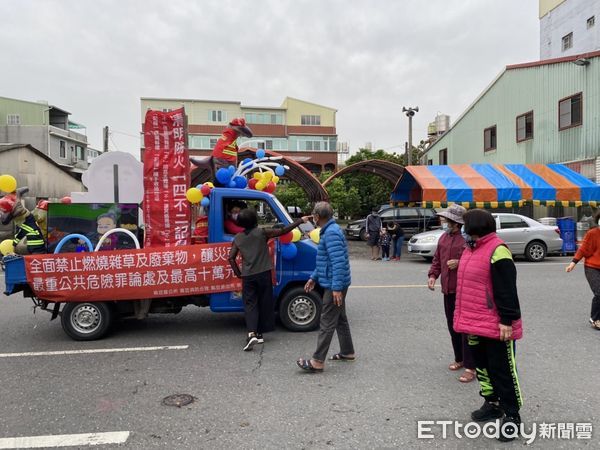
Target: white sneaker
(251,341)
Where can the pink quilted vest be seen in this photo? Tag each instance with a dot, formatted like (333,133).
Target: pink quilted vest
(476,311)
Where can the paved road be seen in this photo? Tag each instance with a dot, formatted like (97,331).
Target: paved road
(260,399)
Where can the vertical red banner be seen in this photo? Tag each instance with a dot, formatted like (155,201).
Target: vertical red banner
(167,213)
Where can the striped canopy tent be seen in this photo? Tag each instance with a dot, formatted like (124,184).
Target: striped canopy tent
(494,186)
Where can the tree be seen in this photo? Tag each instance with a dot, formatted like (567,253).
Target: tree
(291,194)
(344,200)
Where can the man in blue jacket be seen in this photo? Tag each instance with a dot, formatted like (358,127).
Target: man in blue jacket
(332,273)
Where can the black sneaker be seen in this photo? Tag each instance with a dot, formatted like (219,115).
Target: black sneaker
(260,338)
(488,411)
(509,428)
(251,341)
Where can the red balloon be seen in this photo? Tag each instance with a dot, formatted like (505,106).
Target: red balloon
(252,183)
(270,188)
(205,190)
(286,238)
(66,200)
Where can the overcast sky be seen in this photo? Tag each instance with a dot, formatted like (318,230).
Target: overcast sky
(367,59)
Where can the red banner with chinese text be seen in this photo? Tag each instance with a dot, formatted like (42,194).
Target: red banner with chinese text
(132,274)
(166,180)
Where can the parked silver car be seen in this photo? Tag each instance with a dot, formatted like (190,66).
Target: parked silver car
(524,236)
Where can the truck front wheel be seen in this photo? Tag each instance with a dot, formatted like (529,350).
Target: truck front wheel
(300,311)
(86,321)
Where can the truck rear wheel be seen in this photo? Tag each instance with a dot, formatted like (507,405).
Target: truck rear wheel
(86,321)
(300,311)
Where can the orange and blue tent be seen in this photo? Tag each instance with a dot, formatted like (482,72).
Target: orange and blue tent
(494,185)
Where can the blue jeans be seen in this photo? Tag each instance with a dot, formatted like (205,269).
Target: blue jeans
(398,243)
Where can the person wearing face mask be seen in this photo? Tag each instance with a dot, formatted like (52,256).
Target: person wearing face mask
(231,221)
(445,264)
(488,311)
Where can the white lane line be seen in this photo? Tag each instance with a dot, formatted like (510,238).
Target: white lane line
(95,350)
(65,440)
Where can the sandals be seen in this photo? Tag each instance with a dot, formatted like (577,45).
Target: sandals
(467,376)
(340,357)
(306,365)
(455,366)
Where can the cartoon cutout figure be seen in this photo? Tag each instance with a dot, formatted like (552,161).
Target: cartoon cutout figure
(105,223)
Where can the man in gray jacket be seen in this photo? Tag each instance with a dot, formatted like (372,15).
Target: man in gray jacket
(373,227)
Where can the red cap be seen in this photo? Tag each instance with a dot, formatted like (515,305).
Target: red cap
(239,125)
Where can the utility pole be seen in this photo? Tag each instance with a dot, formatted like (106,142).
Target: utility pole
(410,112)
(105,139)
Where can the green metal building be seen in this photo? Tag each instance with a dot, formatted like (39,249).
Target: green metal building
(539,112)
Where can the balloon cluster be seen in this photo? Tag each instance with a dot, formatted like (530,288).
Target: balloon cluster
(200,194)
(8,183)
(266,179)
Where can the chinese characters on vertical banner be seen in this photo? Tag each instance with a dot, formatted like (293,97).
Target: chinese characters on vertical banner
(132,274)
(166,180)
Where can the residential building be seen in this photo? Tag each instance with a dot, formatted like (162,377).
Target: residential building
(343,151)
(300,130)
(44,177)
(45,127)
(568,27)
(539,112)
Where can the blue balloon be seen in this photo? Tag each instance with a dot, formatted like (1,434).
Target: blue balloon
(231,169)
(223,176)
(246,161)
(260,153)
(289,251)
(205,202)
(232,184)
(279,171)
(240,182)
(199,186)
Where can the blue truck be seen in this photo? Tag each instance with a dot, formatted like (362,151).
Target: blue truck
(93,319)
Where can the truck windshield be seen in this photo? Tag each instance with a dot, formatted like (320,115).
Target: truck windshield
(282,210)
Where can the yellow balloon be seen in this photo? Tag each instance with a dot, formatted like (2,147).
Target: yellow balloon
(8,183)
(267,176)
(296,235)
(275,179)
(7,248)
(209,184)
(260,186)
(194,195)
(315,235)
(257,175)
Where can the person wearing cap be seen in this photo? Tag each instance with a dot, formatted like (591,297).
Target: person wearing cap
(225,153)
(11,209)
(445,264)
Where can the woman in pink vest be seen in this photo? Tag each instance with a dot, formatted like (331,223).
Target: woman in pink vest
(487,310)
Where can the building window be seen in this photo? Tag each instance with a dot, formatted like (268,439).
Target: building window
(570,113)
(13,119)
(212,142)
(567,42)
(167,110)
(591,22)
(489,139)
(264,118)
(430,162)
(80,152)
(63,150)
(525,127)
(217,116)
(310,120)
(443,156)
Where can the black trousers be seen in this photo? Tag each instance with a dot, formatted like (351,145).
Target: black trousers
(259,306)
(460,345)
(497,372)
(593,278)
(333,318)
(385,251)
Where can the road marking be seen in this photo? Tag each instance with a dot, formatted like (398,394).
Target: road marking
(65,440)
(95,350)
(378,286)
